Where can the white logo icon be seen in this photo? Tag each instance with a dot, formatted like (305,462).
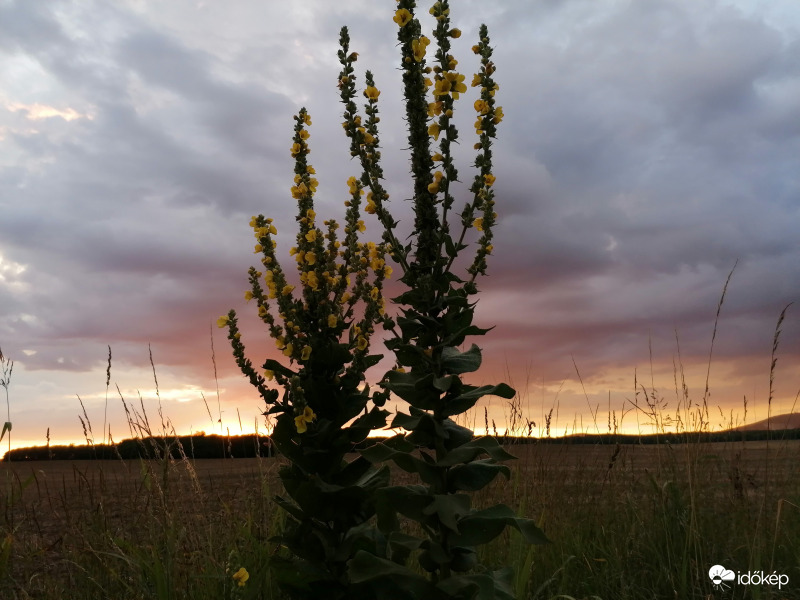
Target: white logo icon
(719,575)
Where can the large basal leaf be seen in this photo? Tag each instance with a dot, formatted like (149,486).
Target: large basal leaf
(297,575)
(483,526)
(479,586)
(456,362)
(389,580)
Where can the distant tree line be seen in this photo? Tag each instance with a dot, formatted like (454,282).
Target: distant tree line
(251,446)
(194,446)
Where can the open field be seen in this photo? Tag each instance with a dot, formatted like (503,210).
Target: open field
(630,521)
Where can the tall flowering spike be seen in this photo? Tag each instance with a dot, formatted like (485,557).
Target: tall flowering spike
(413,46)
(364,137)
(488,117)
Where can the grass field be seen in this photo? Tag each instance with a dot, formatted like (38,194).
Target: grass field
(626,522)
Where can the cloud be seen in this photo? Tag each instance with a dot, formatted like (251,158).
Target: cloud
(646,148)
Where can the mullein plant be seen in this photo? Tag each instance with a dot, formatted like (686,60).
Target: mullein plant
(323,330)
(327,408)
(435,318)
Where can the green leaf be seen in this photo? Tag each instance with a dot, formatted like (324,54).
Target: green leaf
(401,545)
(449,508)
(388,579)
(467,400)
(276,367)
(372,360)
(6,428)
(471,450)
(407,500)
(443,383)
(482,526)
(479,586)
(457,435)
(457,362)
(475,475)
(403,459)
(415,388)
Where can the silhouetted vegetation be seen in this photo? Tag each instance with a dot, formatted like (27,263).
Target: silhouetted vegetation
(250,446)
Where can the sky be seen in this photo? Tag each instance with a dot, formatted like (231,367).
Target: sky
(647,148)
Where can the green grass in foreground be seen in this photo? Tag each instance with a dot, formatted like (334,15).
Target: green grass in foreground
(627,522)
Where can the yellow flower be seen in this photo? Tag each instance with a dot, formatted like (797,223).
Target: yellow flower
(402,17)
(442,87)
(374,293)
(311,258)
(332,320)
(362,343)
(489,179)
(489,249)
(287,289)
(301,421)
(307,119)
(289,350)
(476,49)
(304,134)
(418,47)
(434,130)
(498,115)
(270,375)
(457,84)
(433,188)
(478,223)
(222,321)
(455,33)
(476,80)
(313,281)
(361,227)
(241,576)
(305,353)
(248,296)
(311,235)
(371,207)
(296,149)
(372,92)
(309,169)
(481,106)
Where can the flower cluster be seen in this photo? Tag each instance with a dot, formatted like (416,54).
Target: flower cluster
(335,277)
